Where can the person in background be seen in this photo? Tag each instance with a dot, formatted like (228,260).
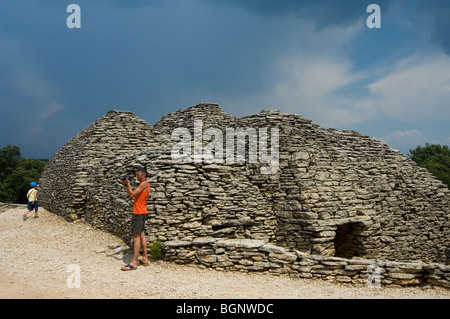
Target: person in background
(32,201)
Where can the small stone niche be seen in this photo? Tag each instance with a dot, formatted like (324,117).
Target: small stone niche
(348,240)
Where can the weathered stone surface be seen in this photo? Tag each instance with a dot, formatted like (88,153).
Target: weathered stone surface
(177,243)
(273,249)
(240,243)
(335,194)
(65,183)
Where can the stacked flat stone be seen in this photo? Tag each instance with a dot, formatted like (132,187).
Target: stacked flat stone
(248,255)
(64,183)
(335,194)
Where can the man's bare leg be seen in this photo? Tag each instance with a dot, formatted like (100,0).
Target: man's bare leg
(136,248)
(143,241)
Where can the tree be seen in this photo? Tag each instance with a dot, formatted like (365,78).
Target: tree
(9,157)
(435,158)
(16,174)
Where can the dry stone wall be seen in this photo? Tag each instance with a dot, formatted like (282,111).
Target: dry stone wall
(186,201)
(336,201)
(65,183)
(247,255)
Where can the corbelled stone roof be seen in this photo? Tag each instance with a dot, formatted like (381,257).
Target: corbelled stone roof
(333,193)
(65,180)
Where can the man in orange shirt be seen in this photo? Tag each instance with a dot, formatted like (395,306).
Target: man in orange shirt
(140,195)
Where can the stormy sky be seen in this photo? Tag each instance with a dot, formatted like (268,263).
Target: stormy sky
(318,59)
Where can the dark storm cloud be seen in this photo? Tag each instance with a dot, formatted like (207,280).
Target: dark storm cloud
(329,13)
(324,13)
(155,56)
(134,3)
(439,12)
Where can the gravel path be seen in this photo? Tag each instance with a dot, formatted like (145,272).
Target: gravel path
(36,254)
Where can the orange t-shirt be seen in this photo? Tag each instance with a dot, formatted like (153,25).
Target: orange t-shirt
(140,201)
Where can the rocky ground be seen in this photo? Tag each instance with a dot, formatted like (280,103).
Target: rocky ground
(39,259)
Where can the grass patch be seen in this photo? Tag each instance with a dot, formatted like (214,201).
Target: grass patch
(155,251)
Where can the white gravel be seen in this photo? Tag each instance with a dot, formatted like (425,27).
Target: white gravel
(35,256)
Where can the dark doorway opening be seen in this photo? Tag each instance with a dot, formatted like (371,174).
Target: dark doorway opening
(348,243)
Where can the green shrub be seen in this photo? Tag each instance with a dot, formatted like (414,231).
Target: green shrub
(155,250)
(435,158)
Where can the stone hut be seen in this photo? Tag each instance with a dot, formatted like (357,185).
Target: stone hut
(332,194)
(65,181)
